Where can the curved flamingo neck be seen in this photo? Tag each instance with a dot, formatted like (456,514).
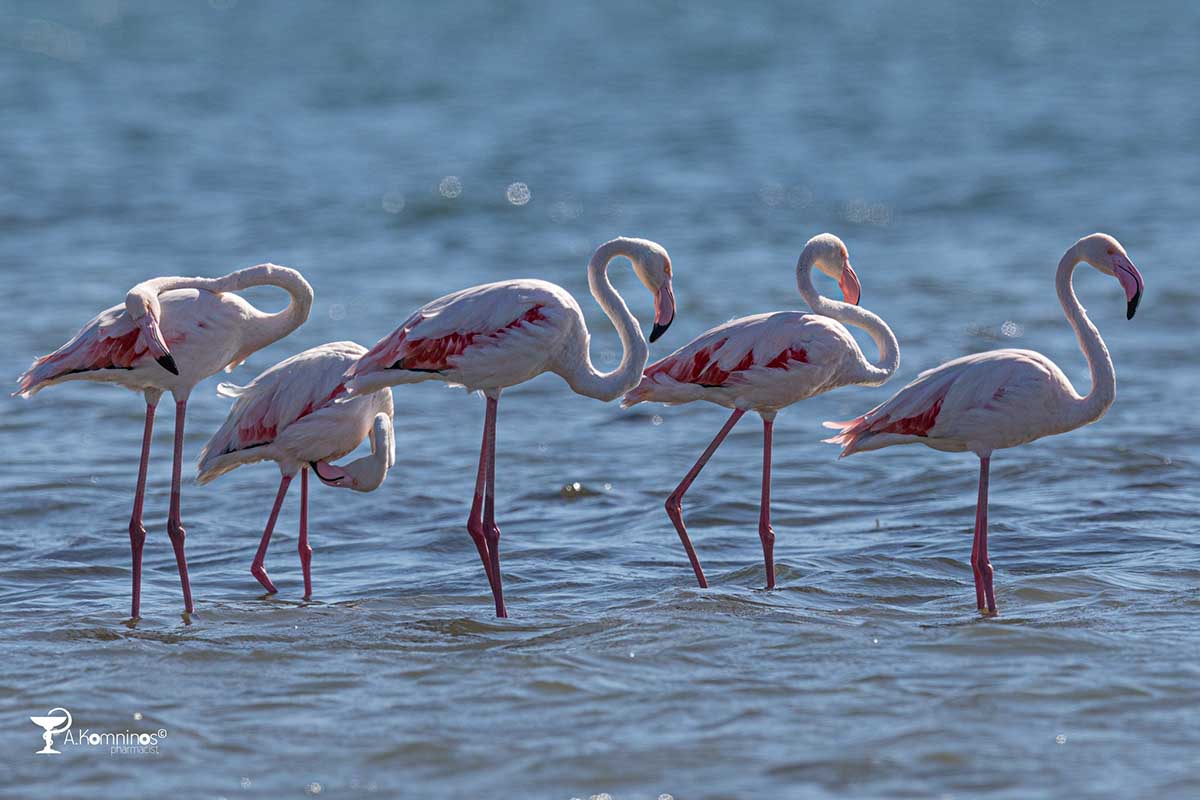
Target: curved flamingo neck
(1104,377)
(889,349)
(581,375)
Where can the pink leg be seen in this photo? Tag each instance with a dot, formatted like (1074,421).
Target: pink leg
(675,500)
(985,596)
(303,547)
(257,567)
(174,523)
(475,519)
(765,532)
(137,531)
(490,531)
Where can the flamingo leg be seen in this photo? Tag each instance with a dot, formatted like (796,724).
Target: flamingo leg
(490,531)
(257,568)
(475,519)
(174,523)
(302,545)
(137,531)
(675,499)
(985,596)
(765,533)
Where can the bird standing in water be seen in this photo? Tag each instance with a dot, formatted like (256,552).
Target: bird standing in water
(497,335)
(171,334)
(766,362)
(1002,398)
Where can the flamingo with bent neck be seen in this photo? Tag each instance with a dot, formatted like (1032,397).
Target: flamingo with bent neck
(1002,398)
(170,334)
(766,362)
(497,335)
(288,415)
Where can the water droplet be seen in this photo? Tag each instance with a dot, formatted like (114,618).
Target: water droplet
(1060,739)
(601,796)
(1011,329)
(137,715)
(450,187)
(631,654)
(656,420)
(518,194)
(245,782)
(393,202)
(337,311)
(665,796)
(313,788)
(874,641)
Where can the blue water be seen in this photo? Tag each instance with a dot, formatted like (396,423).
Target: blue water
(957,150)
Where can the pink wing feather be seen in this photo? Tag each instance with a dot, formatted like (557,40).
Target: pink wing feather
(110,341)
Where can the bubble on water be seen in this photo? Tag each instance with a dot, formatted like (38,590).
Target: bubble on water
(772,194)
(96,479)
(543,447)
(608,487)
(245,782)
(874,641)
(665,796)
(392,202)
(313,788)
(631,654)
(601,796)
(656,420)
(337,311)
(1060,739)
(450,187)
(517,194)
(137,715)
(1011,329)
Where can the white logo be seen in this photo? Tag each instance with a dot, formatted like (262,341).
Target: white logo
(50,724)
(127,742)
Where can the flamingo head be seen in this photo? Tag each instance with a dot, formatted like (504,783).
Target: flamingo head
(145,311)
(828,253)
(1107,255)
(653,268)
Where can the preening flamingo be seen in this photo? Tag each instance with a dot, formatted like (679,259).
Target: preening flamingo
(766,362)
(1002,398)
(288,415)
(497,335)
(170,334)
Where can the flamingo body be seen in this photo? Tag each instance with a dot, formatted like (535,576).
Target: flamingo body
(762,362)
(288,414)
(1002,398)
(487,338)
(482,338)
(171,333)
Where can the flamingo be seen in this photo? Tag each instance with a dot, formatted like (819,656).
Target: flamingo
(1002,398)
(288,415)
(767,362)
(207,328)
(497,335)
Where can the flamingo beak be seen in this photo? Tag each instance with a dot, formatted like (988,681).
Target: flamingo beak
(334,478)
(1131,282)
(664,310)
(851,288)
(155,343)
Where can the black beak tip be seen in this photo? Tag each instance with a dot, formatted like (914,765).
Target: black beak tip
(659,330)
(1131,309)
(167,362)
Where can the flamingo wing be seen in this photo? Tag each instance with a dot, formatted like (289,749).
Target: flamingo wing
(110,341)
(467,325)
(287,392)
(965,400)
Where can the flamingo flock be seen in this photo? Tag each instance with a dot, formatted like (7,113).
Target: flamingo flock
(318,406)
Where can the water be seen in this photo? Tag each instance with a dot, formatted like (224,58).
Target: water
(957,151)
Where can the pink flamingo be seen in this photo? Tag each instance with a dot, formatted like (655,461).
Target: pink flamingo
(1002,398)
(207,329)
(288,415)
(766,362)
(497,335)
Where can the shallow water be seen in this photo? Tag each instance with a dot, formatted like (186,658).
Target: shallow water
(957,152)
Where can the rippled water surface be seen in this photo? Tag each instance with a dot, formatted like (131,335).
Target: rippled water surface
(958,152)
